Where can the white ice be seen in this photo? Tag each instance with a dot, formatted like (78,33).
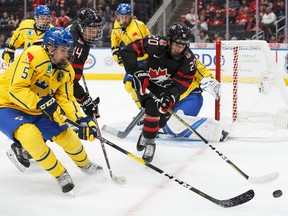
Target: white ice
(35,192)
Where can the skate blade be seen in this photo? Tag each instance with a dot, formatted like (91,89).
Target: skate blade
(11,155)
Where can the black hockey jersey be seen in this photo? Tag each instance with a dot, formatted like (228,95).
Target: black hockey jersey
(165,72)
(81,52)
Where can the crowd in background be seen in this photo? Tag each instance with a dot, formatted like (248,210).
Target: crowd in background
(208,24)
(65,11)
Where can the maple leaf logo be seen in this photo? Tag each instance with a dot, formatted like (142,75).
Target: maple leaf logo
(160,77)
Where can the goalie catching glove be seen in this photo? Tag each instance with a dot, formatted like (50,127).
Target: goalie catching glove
(141,81)
(89,106)
(167,101)
(210,85)
(8,54)
(88,129)
(51,109)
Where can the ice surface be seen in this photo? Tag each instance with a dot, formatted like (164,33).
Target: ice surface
(35,192)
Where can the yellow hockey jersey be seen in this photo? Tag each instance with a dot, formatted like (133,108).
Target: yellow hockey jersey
(26,34)
(201,72)
(30,77)
(134,31)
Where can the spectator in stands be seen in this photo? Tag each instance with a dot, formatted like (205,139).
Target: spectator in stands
(53,18)
(9,38)
(243,17)
(268,3)
(202,37)
(78,5)
(268,23)
(251,26)
(63,19)
(191,18)
(203,23)
(108,13)
(4,19)
(234,4)
(277,4)
(218,19)
(273,39)
(245,3)
(13,20)
(231,14)
(113,5)
(253,6)
(234,38)
(70,12)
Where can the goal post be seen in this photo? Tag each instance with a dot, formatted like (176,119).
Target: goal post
(254,97)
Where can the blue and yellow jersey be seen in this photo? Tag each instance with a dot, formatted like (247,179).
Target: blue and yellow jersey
(26,34)
(30,77)
(201,72)
(134,31)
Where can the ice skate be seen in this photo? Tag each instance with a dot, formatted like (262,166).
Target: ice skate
(19,157)
(149,152)
(65,182)
(141,143)
(92,169)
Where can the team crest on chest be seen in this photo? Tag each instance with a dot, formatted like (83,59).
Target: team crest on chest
(160,77)
(135,35)
(30,33)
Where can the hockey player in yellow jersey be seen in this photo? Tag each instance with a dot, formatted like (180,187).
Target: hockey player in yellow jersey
(36,91)
(127,29)
(28,32)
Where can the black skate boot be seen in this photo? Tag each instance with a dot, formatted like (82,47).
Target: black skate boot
(65,182)
(19,156)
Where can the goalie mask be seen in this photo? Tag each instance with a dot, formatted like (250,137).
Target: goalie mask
(42,17)
(90,25)
(178,38)
(55,37)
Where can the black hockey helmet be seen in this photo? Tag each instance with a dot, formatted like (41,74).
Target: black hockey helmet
(179,33)
(90,25)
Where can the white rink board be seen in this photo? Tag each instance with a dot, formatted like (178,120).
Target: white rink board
(100,60)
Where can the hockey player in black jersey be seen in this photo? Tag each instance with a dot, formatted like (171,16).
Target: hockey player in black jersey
(168,73)
(86,31)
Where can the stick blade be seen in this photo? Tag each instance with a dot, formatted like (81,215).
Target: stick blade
(238,200)
(112,131)
(264,179)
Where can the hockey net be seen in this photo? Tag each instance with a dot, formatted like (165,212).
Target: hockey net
(254,96)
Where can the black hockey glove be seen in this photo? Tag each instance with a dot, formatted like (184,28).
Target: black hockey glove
(167,101)
(51,109)
(116,52)
(8,54)
(88,129)
(89,106)
(141,81)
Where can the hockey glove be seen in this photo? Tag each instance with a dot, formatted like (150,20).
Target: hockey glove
(141,81)
(88,129)
(51,109)
(89,106)
(8,54)
(167,101)
(211,86)
(116,55)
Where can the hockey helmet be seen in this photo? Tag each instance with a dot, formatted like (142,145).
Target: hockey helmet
(90,25)
(124,9)
(58,36)
(179,33)
(42,17)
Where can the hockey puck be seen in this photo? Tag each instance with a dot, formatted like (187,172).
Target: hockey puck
(277,193)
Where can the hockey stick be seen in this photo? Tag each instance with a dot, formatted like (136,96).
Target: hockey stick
(123,134)
(238,200)
(255,180)
(117,179)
